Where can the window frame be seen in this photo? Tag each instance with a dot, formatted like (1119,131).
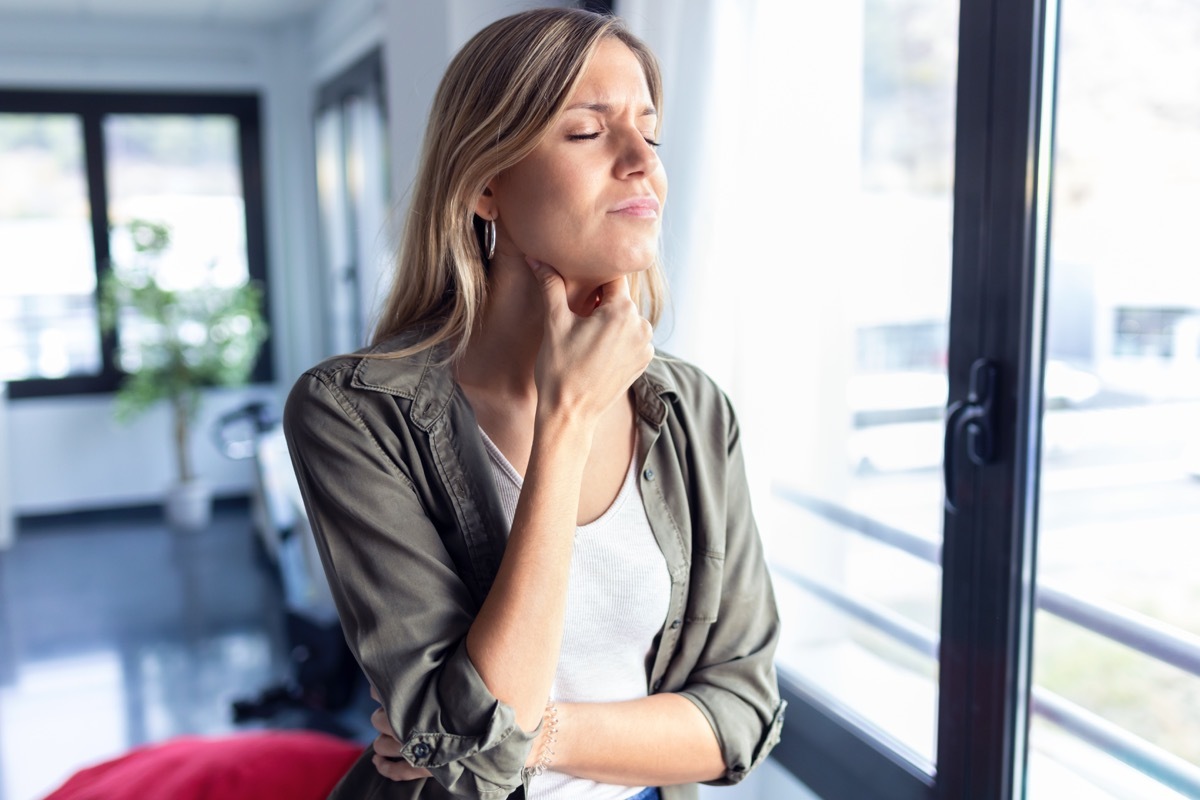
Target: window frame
(91,108)
(1005,84)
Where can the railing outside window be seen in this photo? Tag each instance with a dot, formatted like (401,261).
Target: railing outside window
(1161,642)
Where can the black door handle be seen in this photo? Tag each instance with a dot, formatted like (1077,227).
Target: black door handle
(974,417)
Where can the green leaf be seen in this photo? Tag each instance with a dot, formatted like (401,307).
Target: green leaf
(176,342)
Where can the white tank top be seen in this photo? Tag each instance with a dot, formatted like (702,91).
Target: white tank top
(617,599)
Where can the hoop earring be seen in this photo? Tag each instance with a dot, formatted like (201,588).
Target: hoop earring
(489,233)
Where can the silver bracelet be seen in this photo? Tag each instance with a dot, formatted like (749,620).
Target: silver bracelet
(551,722)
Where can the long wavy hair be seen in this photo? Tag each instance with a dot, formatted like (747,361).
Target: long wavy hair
(498,98)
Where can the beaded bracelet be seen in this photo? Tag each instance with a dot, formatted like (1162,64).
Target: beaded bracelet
(551,722)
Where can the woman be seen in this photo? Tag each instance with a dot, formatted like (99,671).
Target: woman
(537,532)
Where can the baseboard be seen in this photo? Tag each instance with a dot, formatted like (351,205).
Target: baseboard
(151,512)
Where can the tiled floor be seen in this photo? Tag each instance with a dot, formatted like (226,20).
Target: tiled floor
(116,632)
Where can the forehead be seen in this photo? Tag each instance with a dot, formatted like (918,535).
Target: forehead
(614,76)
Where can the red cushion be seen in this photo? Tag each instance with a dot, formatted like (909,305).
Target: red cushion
(295,765)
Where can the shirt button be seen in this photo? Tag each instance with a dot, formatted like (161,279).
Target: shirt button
(648,474)
(421,750)
(657,685)
(675,623)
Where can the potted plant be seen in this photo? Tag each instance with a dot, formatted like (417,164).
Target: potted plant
(174,341)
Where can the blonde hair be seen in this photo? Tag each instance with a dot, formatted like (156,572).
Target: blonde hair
(499,96)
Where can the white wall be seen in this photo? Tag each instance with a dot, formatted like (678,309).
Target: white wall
(66,453)
(343,31)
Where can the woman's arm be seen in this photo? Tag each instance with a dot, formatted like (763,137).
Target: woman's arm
(515,639)
(402,598)
(730,644)
(725,714)
(459,684)
(652,741)
(584,365)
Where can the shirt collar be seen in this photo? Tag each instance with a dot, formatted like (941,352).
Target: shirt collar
(426,379)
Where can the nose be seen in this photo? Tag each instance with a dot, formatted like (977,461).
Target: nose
(636,156)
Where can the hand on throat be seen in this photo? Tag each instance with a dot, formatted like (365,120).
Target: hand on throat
(582,298)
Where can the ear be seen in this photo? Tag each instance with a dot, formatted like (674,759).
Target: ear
(485,204)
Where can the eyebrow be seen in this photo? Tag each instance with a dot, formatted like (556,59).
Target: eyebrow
(605,108)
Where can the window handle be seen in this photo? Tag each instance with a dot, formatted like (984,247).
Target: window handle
(971,424)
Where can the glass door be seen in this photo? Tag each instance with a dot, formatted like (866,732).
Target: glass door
(1116,649)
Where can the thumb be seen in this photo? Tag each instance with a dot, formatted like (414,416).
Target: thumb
(554,289)
(618,287)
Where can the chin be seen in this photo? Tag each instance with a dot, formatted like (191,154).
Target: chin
(607,262)
(601,274)
(627,261)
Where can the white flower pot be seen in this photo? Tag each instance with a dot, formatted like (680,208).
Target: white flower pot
(188,506)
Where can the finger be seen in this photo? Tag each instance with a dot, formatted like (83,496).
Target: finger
(397,770)
(554,288)
(380,722)
(648,337)
(384,767)
(616,288)
(387,746)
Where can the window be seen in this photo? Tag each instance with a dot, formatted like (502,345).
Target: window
(47,300)
(973,432)
(78,169)
(903,346)
(968,394)
(1148,332)
(1116,630)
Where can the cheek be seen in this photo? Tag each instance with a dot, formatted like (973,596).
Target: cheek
(537,221)
(547,206)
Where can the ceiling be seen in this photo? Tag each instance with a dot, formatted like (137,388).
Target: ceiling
(230,12)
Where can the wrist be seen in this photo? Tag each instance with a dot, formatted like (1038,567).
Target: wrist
(544,755)
(564,426)
(566,728)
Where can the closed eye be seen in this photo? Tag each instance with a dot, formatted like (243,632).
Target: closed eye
(579,137)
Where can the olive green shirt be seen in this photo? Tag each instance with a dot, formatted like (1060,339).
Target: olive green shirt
(409,526)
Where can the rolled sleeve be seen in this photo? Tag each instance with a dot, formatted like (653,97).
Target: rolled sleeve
(403,606)
(734,682)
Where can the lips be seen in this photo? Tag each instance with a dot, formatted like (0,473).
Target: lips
(647,206)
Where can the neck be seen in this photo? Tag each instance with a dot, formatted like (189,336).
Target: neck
(502,353)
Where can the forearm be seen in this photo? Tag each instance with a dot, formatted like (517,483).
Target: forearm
(653,741)
(515,639)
